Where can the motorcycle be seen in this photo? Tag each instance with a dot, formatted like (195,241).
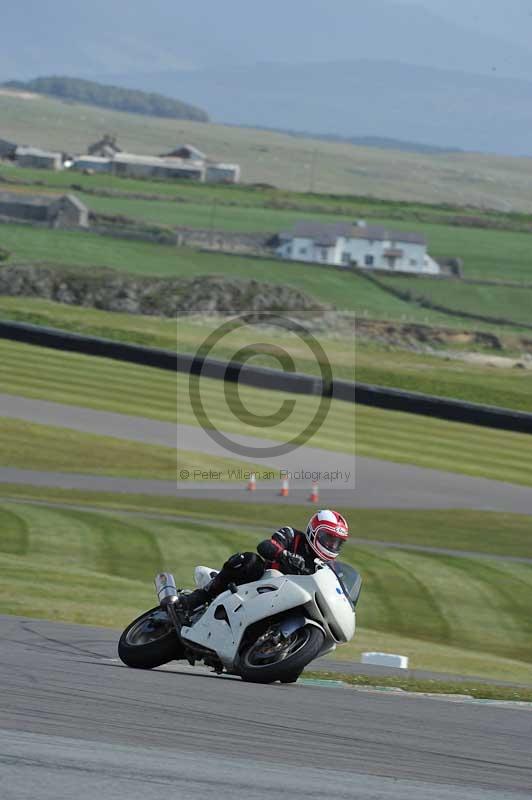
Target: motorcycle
(264,631)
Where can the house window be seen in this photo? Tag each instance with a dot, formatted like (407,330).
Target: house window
(369,261)
(302,251)
(346,257)
(413,262)
(324,254)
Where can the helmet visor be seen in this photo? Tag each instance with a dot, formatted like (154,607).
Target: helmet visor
(330,542)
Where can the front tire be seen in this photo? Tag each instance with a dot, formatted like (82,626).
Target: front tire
(270,659)
(150,641)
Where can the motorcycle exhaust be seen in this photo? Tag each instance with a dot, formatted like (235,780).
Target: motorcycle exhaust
(166,588)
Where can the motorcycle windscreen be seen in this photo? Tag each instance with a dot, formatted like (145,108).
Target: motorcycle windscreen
(350,580)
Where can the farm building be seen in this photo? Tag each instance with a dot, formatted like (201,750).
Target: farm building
(357,244)
(222,173)
(106,147)
(7,149)
(128,165)
(92,163)
(38,159)
(65,211)
(188,152)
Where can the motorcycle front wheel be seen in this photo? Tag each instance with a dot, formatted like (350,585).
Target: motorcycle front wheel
(273,657)
(150,641)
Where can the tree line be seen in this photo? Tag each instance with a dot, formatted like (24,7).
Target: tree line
(113,97)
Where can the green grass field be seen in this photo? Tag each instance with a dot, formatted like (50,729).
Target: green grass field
(262,197)
(393,436)
(497,302)
(493,254)
(462,615)
(285,161)
(40,447)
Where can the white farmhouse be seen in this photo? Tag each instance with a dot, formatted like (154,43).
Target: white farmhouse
(357,244)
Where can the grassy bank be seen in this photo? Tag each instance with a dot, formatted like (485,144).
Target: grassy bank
(461,615)
(497,302)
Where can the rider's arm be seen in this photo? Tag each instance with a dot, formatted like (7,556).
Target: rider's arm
(272,549)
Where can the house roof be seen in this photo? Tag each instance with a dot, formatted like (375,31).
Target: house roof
(106,147)
(328,233)
(223,166)
(72,200)
(44,200)
(156,161)
(35,151)
(322,233)
(189,149)
(92,160)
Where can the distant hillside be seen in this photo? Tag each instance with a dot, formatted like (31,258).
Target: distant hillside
(380,142)
(115,97)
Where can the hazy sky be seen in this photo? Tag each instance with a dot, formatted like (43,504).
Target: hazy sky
(511,19)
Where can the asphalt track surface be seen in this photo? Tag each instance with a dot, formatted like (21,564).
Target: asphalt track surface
(75,723)
(372,483)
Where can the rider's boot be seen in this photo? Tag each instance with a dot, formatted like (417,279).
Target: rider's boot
(191,600)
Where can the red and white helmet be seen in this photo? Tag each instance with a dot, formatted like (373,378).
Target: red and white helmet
(326,533)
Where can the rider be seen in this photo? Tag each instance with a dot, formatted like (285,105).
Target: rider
(290,551)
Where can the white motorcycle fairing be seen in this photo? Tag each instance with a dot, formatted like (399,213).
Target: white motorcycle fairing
(316,599)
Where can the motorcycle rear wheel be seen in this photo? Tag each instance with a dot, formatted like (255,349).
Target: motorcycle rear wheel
(150,641)
(262,662)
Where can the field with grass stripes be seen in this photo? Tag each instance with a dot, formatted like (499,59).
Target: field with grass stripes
(394,436)
(461,615)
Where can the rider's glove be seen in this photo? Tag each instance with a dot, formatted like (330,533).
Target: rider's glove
(294,562)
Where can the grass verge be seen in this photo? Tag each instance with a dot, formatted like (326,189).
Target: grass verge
(478,691)
(26,445)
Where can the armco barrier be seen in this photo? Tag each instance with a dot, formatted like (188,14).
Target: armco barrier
(264,378)
(431,406)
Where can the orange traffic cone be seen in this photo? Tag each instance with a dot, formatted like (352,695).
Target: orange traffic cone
(252,483)
(315,493)
(284,488)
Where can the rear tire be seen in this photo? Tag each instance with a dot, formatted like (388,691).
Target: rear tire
(291,678)
(303,647)
(150,641)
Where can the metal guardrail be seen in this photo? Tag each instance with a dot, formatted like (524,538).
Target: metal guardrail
(265,378)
